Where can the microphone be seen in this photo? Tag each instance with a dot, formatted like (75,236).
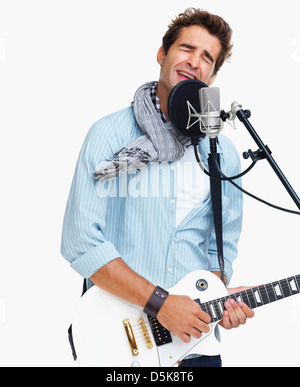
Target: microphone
(211,123)
(194,110)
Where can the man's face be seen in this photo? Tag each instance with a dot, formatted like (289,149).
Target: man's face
(192,56)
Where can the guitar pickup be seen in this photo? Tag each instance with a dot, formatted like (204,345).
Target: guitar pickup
(161,334)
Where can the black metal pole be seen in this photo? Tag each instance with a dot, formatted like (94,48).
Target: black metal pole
(243,116)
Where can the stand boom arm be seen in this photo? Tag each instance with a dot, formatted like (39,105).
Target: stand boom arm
(243,116)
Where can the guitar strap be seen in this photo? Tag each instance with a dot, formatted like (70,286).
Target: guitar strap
(216,196)
(70,333)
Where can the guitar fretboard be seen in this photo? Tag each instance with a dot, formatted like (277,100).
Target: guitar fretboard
(254,297)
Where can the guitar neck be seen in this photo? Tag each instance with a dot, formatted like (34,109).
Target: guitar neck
(254,297)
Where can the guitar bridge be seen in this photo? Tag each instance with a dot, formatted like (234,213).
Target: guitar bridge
(146,335)
(130,337)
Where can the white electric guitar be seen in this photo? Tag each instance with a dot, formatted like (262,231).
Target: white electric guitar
(109,332)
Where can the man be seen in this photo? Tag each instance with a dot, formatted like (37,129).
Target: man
(121,230)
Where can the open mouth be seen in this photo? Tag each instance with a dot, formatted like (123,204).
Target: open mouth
(185,76)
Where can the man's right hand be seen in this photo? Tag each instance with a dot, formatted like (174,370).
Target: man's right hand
(183,316)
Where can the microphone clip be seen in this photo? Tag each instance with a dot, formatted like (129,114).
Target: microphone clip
(257,155)
(231,114)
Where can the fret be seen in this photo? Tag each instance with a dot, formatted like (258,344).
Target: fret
(294,285)
(257,297)
(285,287)
(219,314)
(297,278)
(212,310)
(245,298)
(221,307)
(290,285)
(277,289)
(204,308)
(215,308)
(271,292)
(251,298)
(237,297)
(223,300)
(264,294)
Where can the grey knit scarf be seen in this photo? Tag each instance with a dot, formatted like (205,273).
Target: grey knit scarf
(161,141)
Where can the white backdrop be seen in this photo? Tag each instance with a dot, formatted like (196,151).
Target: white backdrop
(63,65)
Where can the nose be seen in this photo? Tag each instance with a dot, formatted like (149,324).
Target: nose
(194,61)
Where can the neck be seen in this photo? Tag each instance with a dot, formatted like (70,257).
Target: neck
(255,297)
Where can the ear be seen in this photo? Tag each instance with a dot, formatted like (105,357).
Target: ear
(161,55)
(212,79)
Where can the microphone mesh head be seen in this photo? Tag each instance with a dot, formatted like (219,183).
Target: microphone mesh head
(210,108)
(209,99)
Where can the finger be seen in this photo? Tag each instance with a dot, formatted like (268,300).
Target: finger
(185,337)
(199,324)
(225,323)
(231,308)
(203,316)
(240,313)
(195,333)
(203,327)
(248,311)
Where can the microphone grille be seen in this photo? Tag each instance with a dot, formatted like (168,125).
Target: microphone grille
(209,99)
(210,123)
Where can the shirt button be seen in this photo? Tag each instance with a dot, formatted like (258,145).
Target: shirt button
(172,201)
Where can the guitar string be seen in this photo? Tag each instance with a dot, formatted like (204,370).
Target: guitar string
(139,335)
(246,293)
(284,286)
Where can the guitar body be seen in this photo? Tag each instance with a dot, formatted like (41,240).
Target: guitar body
(107,331)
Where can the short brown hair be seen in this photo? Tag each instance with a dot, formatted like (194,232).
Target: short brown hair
(214,24)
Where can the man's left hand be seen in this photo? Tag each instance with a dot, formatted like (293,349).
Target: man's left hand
(236,313)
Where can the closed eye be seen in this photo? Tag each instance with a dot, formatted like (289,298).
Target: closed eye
(206,55)
(187,47)
(208,58)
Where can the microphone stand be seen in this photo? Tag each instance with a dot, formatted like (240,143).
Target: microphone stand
(263,151)
(216,193)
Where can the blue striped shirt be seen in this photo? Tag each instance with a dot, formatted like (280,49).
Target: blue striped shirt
(134,217)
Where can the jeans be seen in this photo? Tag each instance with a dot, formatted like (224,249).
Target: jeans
(202,361)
